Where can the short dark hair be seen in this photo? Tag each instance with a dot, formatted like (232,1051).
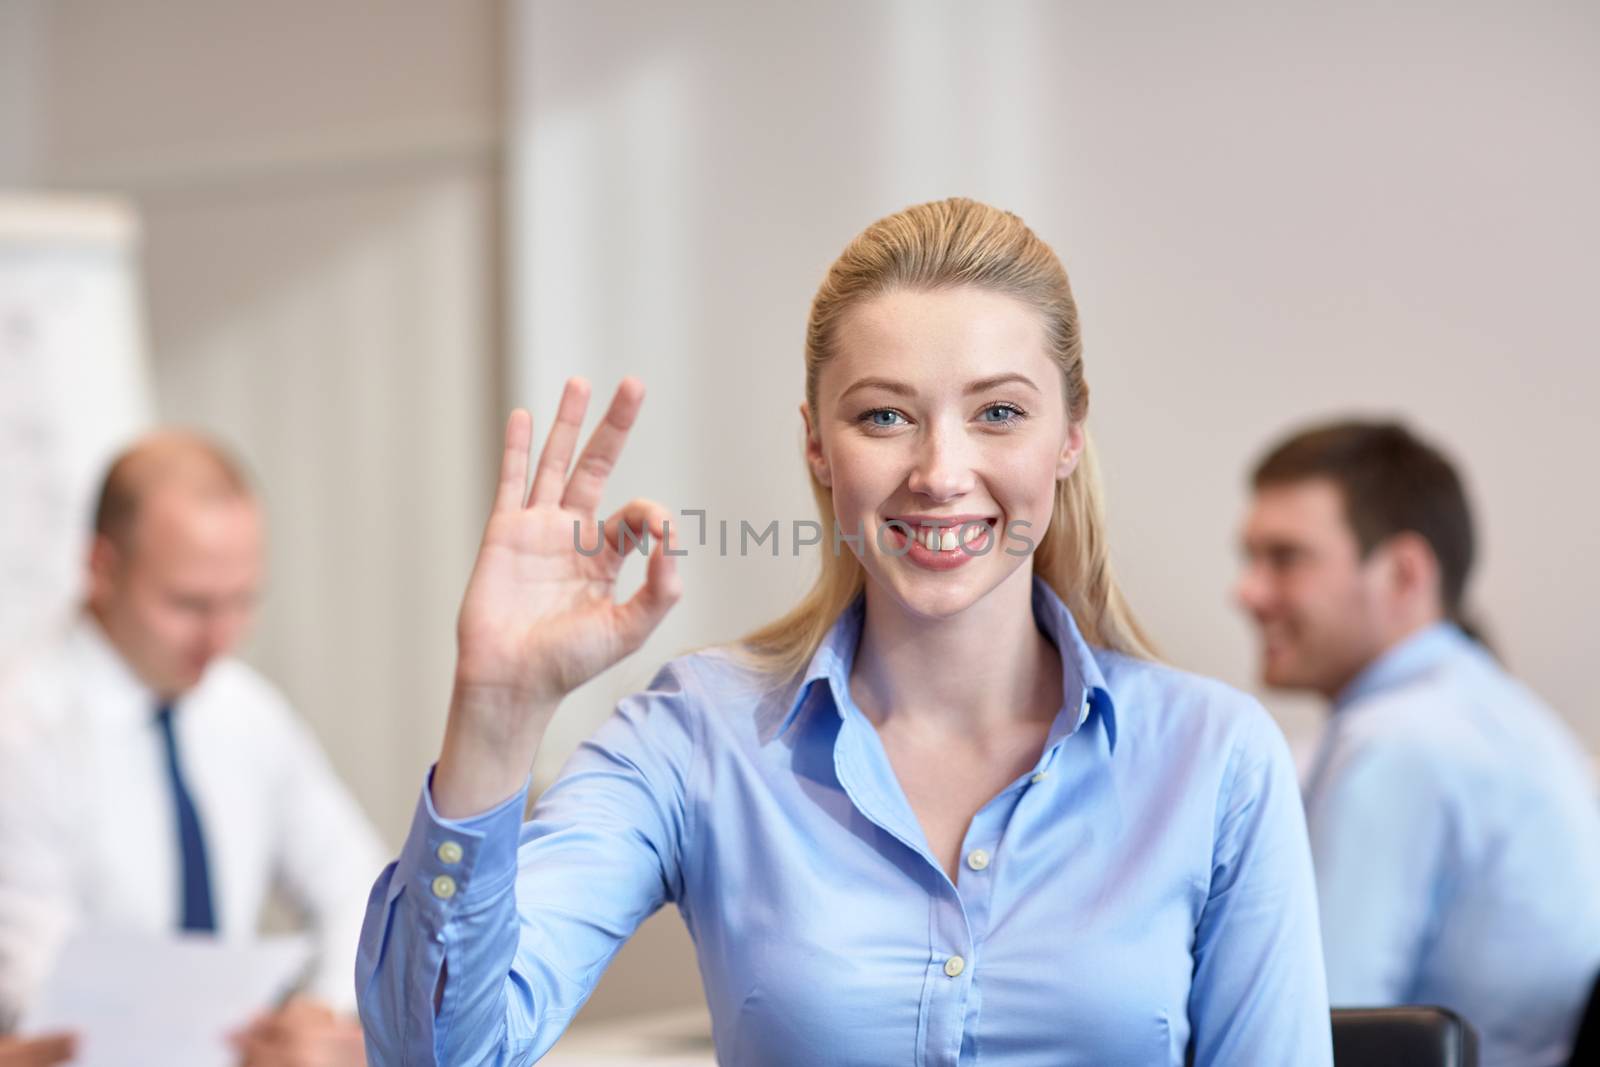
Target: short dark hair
(1392,482)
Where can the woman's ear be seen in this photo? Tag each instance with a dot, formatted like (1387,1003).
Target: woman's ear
(814,455)
(1071,451)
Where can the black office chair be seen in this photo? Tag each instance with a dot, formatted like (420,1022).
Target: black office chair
(1409,1036)
(1586,1046)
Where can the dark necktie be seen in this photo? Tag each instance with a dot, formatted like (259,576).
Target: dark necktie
(197,913)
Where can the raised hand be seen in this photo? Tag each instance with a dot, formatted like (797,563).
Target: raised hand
(540,617)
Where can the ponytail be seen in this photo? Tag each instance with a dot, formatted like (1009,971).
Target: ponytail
(1075,558)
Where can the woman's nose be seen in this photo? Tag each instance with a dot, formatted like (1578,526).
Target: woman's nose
(943,466)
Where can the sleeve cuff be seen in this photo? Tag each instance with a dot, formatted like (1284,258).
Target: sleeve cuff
(454,865)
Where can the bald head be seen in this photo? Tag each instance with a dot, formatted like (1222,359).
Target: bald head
(176,559)
(174,461)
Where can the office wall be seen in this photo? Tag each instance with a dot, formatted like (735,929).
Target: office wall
(318,188)
(1269,213)
(1268,216)
(20,22)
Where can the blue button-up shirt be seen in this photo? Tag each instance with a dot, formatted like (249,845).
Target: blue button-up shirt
(1148,884)
(1456,833)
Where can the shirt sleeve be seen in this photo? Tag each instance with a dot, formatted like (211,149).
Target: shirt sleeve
(1259,993)
(326,854)
(488,934)
(1379,827)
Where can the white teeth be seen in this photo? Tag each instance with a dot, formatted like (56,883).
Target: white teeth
(947,538)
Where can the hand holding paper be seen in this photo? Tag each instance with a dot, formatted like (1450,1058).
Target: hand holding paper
(302,1033)
(44,1051)
(147,999)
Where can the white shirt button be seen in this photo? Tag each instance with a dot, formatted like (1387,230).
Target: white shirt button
(977,859)
(449,852)
(444,887)
(954,966)
(1041,776)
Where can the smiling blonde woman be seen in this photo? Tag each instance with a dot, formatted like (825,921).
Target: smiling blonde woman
(946,811)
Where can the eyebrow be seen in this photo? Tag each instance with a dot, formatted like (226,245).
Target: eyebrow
(901,389)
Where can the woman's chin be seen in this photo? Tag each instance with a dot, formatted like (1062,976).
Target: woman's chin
(934,595)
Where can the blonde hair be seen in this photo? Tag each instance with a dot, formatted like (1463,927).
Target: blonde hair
(948,243)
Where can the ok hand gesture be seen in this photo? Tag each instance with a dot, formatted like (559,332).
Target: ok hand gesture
(540,617)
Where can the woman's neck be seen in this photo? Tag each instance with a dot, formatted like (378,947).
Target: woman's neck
(971,675)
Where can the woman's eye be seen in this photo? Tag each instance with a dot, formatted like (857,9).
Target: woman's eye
(881,418)
(1001,414)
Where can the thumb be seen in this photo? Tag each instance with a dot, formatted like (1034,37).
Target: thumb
(662,587)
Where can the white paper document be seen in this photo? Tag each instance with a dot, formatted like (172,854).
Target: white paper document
(137,1000)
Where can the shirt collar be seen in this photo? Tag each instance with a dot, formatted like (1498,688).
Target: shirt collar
(830,664)
(1416,655)
(105,669)
(1083,685)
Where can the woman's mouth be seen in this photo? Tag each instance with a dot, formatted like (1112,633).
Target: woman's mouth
(938,546)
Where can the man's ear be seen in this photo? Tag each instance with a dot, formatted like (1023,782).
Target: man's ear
(1071,451)
(814,455)
(105,560)
(1413,568)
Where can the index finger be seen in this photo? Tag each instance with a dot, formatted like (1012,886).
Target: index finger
(605,445)
(551,474)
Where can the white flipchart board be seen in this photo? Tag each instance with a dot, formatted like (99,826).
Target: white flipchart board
(74,388)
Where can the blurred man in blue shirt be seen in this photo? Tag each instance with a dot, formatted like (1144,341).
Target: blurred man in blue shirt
(1455,824)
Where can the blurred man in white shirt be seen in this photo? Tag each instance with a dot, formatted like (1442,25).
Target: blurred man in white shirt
(149,782)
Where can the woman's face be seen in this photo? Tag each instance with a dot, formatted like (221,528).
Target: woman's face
(941,408)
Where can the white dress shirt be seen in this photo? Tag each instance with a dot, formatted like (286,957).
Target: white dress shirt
(88,831)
